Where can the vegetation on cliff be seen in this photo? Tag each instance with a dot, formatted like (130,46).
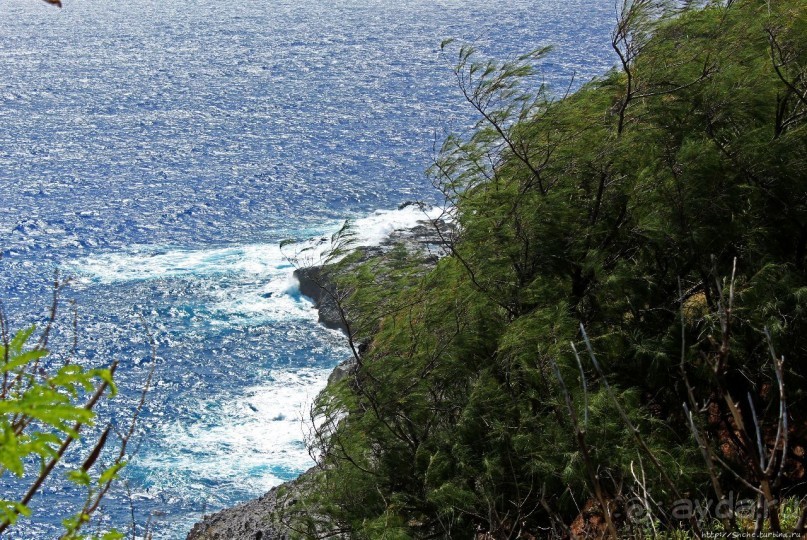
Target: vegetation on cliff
(618,336)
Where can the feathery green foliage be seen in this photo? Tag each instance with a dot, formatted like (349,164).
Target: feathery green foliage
(624,207)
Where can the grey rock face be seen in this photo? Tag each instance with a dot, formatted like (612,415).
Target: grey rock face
(341,372)
(248,521)
(314,284)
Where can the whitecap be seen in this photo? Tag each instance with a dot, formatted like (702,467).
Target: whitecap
(256,438)
(155,262)
(258,260)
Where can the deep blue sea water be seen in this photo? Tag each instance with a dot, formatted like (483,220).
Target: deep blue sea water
(157,151)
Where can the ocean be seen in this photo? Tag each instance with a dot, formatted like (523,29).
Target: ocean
(156,152)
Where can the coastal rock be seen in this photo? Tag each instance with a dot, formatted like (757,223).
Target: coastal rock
(247,521)
(341,372)
(428,240)
(315,284)
(255,519)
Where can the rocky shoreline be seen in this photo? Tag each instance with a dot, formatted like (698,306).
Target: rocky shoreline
(252,520)
(247,521)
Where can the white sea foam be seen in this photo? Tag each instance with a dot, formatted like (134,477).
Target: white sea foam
(260,283)
(247,441)
(258,260)
(376,227)
(368,230)
(149,262)
(255,302)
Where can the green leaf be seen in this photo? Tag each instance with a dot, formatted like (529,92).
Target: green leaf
(111,473)
(20,339)
(79,477)
(22,359)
